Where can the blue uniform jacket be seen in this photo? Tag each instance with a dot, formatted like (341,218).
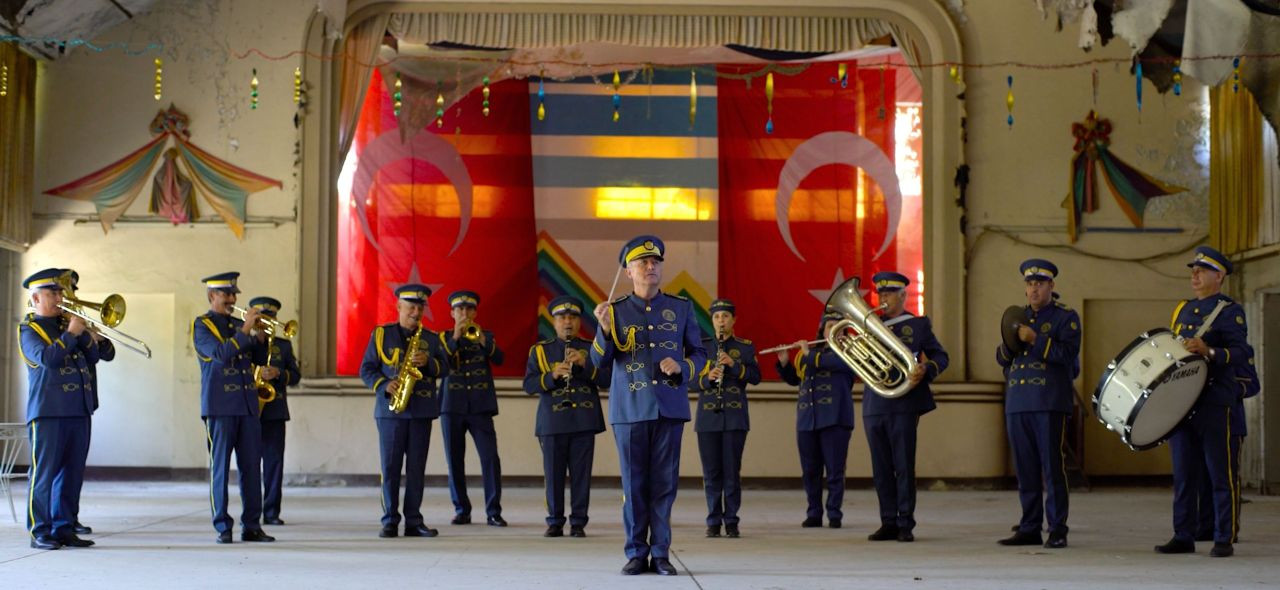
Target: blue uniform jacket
(644,333)
(382,360)
(917,334)
(565,406)
(226,373)
(730,397)
(1229,367)
(1039,379)
(468,387)
(59,378)
(826,389)
(282,358)
(106,353)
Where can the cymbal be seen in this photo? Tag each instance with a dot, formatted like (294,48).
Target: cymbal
(1014,316)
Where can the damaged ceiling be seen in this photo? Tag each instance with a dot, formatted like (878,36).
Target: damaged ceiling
(64,20)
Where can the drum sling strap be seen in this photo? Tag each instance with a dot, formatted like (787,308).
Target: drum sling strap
(1208,321)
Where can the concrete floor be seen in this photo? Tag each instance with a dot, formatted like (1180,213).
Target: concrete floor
(158,535)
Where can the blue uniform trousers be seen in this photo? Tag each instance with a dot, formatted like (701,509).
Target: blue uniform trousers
(58,450)
(649,457)
(1205,528)
(242,434)
(721,454)
(455,428)
(1201,444)
(272,467)
(572,455)
(891,439)
(403,443)
(1038,441)
(826,449)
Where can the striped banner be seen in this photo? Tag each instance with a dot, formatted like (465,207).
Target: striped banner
(684,286)
(559,275)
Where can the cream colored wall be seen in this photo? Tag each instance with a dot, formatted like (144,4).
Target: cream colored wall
(95,108)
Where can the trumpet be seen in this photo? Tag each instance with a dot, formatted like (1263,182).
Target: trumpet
(273,327)
(110,313)
(472,331)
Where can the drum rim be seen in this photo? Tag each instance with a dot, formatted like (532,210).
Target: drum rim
(1125,435)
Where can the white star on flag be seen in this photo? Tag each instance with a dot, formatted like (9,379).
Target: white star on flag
(415,277)
(823,294)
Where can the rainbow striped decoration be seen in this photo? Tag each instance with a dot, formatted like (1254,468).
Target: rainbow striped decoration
(684,285)
(559,275)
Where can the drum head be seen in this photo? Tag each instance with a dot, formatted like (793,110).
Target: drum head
(1013,316)
(1168,403)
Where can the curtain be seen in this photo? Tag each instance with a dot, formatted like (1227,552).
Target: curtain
(17,136)
(358,53)
(1235,169)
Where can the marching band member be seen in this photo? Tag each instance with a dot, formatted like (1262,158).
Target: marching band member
(653,344)
(274,414)
(824,421)
(59,402)
(106,353)
(1038,404)
(891,424)
(469,403)
(722,421)
(226,348)
(1203,441)
(569,414)
(403,437)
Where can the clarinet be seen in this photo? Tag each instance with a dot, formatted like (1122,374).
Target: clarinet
(719,382)
(567,403)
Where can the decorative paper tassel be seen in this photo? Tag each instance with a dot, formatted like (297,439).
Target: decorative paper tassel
(159,78)
(439,104)
(485,93)
(542,97)
(4,80)
(253,90)
(397,96)
(617,100)
(768,94)
(1138,82)
(297,85)
(842,75)
(693,96)
(1235,74)
(954,71)
(1008,100)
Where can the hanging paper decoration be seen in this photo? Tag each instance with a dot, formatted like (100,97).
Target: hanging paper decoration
(439,104)
(1138,81)
(617,99)
(159,78)
(955,73)
(396,97)
(693,96)
(842,75)
(1131,187)
(224,186)
(297,85)
(1008,100)
(542,97)
(1177,77)
(1235,74)
(253,90)
(4,79)
(768,95)
(485,94)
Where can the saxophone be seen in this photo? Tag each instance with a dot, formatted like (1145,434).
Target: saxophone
(407,375)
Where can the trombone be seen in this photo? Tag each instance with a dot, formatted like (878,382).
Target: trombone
(110,311)
(273,327)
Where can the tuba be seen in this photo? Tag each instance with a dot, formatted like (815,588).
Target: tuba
(407,375)
(879,358)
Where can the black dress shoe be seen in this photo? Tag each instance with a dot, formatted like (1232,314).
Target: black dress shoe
(497,520)
(1176,546)
(45,542)
(884,533)
(1021,538)
(713,530)
(74,541)
(420,530)
(634,567)
(1056,541)
(577,531)
(256,536)
(461,519)
(1015,527)
(1222,550)
(554,531)
(833,523)
(273,521)
(731,531)
(905,536)
(388,532)
(80,529)
(224,538)
(811,522)
(662,566)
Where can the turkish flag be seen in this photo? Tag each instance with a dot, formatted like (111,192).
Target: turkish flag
(780,259)
(449,206)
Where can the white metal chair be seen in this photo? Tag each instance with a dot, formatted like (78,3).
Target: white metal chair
(13,437)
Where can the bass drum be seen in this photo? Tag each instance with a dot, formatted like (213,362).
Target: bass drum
(1149,388)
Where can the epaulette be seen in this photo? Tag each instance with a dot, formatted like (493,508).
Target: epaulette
(620,299)
(1062,305)
(674,296)
(742,340)
(545,342)
(581,339)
